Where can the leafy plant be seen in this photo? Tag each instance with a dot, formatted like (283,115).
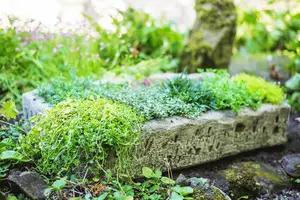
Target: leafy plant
(138,45)
(151,101)
(77,134)
(9,110)
(293,87)
(229,94)
(155,187)
(267,92)
(273,31)
(189,91)
(57,186)
(9,156)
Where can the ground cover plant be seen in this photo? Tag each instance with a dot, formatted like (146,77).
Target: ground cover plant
(179,96)
(78,133)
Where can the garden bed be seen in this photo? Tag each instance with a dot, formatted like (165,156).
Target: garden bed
(180,142)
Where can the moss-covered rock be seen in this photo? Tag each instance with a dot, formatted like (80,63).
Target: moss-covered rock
(213,193)
(211,40)
(253,179)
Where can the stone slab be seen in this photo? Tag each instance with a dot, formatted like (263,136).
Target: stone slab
(179,142)
(33,104)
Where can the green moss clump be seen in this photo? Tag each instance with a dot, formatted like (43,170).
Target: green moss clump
(242,181)
(211,193)
(211,40)
(268,92)
(215,13)
(247,179)
(77,134)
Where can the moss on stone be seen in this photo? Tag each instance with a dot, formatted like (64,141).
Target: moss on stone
(210,42)
(247,179)
(208,11)
(212,194)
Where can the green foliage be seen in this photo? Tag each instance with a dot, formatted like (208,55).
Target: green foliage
(293,87)
(179,96)
(9,110)
(151,101)
(267,92)
(155,187)
(229,94)
(61,89)
(57,186)
(136,37)
(137,45)
(272,31)
(9,156)
(77,134)
(189,91)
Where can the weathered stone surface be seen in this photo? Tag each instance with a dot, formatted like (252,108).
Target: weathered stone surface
(31,183)
(291,165)
(33,104)
(181,180)
(253,179)
(211,39)
(178,142)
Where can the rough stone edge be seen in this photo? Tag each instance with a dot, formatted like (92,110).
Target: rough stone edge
(35,105)
(181,124)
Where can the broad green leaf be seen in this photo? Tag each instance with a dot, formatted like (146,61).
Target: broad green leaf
(158,173)
(167,181)
(12,198)
(183,190)
(176,196)
(293,83)
(147,172)
(12,155)
(59,184)
(9,110)
(103,196)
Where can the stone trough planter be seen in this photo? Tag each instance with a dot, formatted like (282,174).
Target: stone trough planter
(179,142)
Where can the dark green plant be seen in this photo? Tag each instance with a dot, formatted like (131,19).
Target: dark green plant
(155,187)
(77,134)
(9,156)
(189,91)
